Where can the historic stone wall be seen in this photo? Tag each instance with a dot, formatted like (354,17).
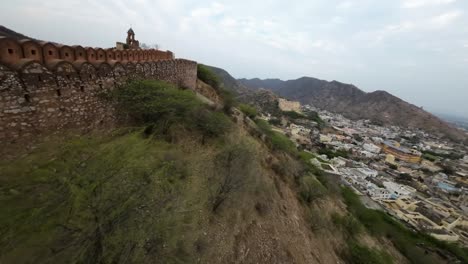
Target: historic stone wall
(60,88)
(286,105)
(13,52)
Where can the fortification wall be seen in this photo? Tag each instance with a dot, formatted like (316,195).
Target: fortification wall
(45,94)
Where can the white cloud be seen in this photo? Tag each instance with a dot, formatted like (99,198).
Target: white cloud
(446,18)
(424,3)
(345,5)
(378,36)
(212,10)
(337,20)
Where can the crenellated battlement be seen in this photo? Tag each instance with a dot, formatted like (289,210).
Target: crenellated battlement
(46,87)
(13,52)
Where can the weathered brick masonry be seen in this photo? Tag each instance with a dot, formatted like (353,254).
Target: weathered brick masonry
(45,87)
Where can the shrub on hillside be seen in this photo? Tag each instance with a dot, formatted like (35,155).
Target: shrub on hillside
(162,106)
(348,223)
(207,76)
(294,115)
(309,115)
(333,153)
(277,140)
(282,142)
(314,116)
(229,100)
(234,165)
(248,110)
(212,123)
(310,189)
(275,122)
(360,254)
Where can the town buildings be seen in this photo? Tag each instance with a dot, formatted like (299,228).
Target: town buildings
(419,178)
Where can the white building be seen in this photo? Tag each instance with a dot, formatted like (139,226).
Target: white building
(299,130)
(397,190)
(379,193)
(368,172)
(325,139)
(371,148)
(339,162)
(367,154)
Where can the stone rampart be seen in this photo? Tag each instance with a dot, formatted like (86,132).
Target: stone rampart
(57,87)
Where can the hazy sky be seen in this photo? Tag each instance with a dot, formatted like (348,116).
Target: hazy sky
(415,49)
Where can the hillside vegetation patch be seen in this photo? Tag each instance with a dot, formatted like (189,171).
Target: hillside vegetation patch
(406,241)
(208,77)
(165,108)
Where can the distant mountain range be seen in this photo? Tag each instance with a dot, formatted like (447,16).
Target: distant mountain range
(379,106)
(346,99)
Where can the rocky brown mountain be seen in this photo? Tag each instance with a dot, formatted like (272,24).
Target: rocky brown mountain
(379,106)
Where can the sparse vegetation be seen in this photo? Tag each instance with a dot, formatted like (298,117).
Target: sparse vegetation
(406,241)
(316,219)
(309,115)
(359,254)
(310,189)
(207,76)
(348,224)
(333,153)
(233,168)
(248,110)
(314,116)
(434,155)
(229,100)
(277,140)
(429,157)
(89,200)
(306,156)
(275,122)
(166,108)
(294,115)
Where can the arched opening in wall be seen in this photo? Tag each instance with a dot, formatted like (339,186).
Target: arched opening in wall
(51,53)
(27,98)
(10,51)
(33,52)
(66,54)
(100,86)
(68,76)
(39,78)
(82,88)
(59,92)
(80,54)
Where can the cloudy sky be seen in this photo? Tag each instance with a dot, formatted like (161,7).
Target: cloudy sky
(415,49)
